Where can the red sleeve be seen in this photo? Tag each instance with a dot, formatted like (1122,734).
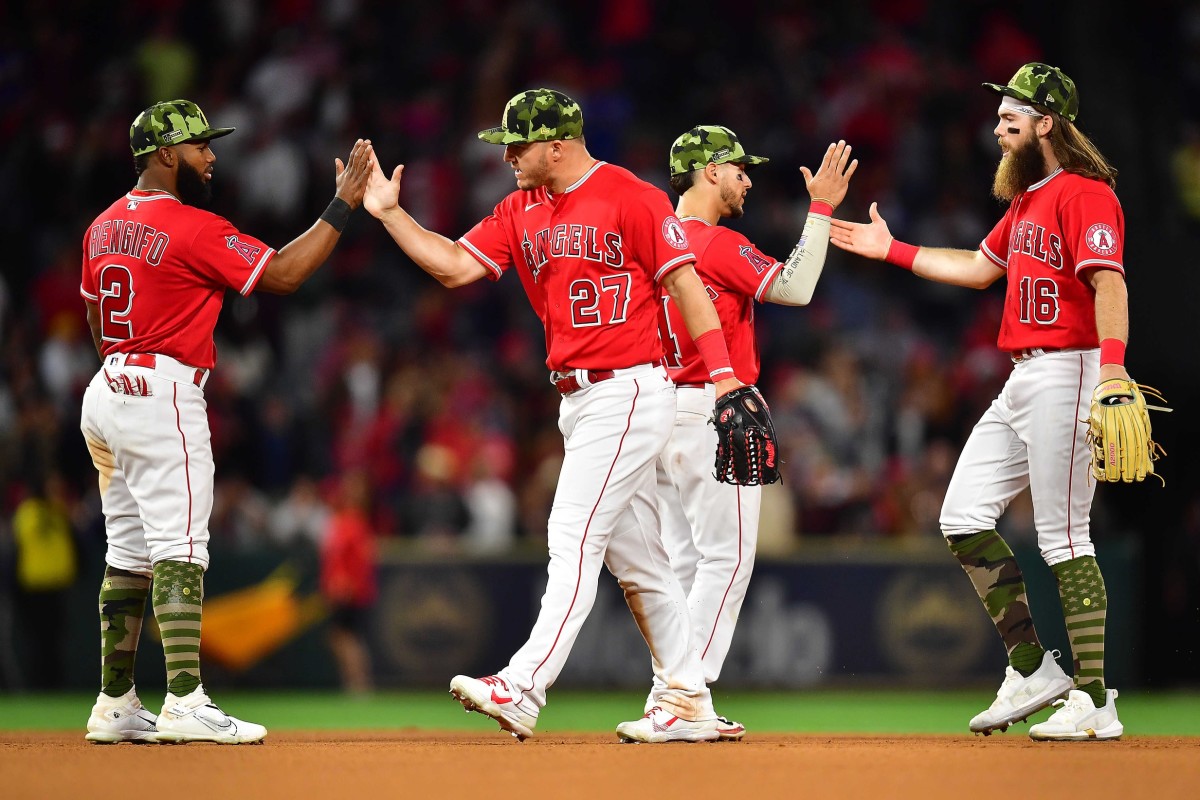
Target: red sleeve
(87,286)
(995,245)
(1094,228)
(488,243)
(732,262)
(230,257)
(655,236)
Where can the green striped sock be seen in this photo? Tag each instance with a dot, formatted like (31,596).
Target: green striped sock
(1084,602)
(122,606)
(990,564)
(178,603)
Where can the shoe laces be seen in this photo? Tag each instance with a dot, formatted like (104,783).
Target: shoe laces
(1009,686)
(1071,707)
(494,680)
(650,713)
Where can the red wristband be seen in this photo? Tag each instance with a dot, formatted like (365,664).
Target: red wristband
(825,209)
(1112,351)
(901,254)
(712,348)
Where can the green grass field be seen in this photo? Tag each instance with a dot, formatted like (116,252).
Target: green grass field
(873,712)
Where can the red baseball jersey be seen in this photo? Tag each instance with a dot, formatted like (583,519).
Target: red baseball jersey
(736,274)
(1053,232)
(590,259)
(158,269)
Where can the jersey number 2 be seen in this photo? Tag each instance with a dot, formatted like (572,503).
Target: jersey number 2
(1039,300)
(116,301)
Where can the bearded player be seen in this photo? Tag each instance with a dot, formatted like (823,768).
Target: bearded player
(592,245)
(710,528)
(1065,326)
(155,271)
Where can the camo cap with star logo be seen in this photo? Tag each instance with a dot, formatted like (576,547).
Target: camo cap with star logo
(1044,85)
(709,144)
(169,123)
(537,115)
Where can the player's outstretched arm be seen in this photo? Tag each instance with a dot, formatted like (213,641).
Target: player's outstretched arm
(434,253)
(299,259)
(970,268)
(797,278)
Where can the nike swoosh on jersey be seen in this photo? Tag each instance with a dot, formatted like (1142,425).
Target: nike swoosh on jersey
(533,205)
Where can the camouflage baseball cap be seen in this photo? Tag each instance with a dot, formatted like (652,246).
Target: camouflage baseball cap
(1044,85)
(168,123)
(537,115)
(709,144)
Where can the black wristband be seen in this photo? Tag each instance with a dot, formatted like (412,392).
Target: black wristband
(337,214)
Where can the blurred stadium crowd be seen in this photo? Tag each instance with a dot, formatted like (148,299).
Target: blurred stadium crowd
(440,399)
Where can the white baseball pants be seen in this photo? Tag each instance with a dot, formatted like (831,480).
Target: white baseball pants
(709,528)
(147,431)
(1032,435)
(604,512)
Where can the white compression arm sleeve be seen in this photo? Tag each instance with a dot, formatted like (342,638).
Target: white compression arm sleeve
(794,284)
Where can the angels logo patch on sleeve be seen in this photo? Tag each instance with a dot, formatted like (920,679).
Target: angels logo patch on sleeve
(756,259)
(673,232)
(246,250)
(1102,239)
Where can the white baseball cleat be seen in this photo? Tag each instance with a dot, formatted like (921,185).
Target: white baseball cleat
(121,719)
(1019,696)
(493,697)
(195,718)
(1078,720)
(659,726)
(729,731)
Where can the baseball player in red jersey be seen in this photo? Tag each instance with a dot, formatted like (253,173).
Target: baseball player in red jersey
(710,528)
(1065,325)
(155,271)
(592,244)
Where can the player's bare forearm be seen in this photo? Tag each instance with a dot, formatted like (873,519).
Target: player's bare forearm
(295,263)
(969,268)
(1112,315)
(93,318)
(687,290)
(439,256)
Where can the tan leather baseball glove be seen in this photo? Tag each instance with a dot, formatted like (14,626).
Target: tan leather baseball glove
(1119,432)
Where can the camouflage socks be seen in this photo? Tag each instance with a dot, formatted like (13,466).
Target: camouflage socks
(992,568)
(1084,602)
(122,606)
(178,599)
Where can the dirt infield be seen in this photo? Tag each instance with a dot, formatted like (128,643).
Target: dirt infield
(422,764)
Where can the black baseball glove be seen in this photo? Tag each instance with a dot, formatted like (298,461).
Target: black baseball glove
(746,443)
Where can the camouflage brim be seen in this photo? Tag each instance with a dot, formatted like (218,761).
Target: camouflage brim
(537,115)
(1043,85)
(709,144)
(170,123)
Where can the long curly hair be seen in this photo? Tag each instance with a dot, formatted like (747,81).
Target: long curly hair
(1076,153)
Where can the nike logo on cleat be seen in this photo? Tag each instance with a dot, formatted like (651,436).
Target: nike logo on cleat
(497,699)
